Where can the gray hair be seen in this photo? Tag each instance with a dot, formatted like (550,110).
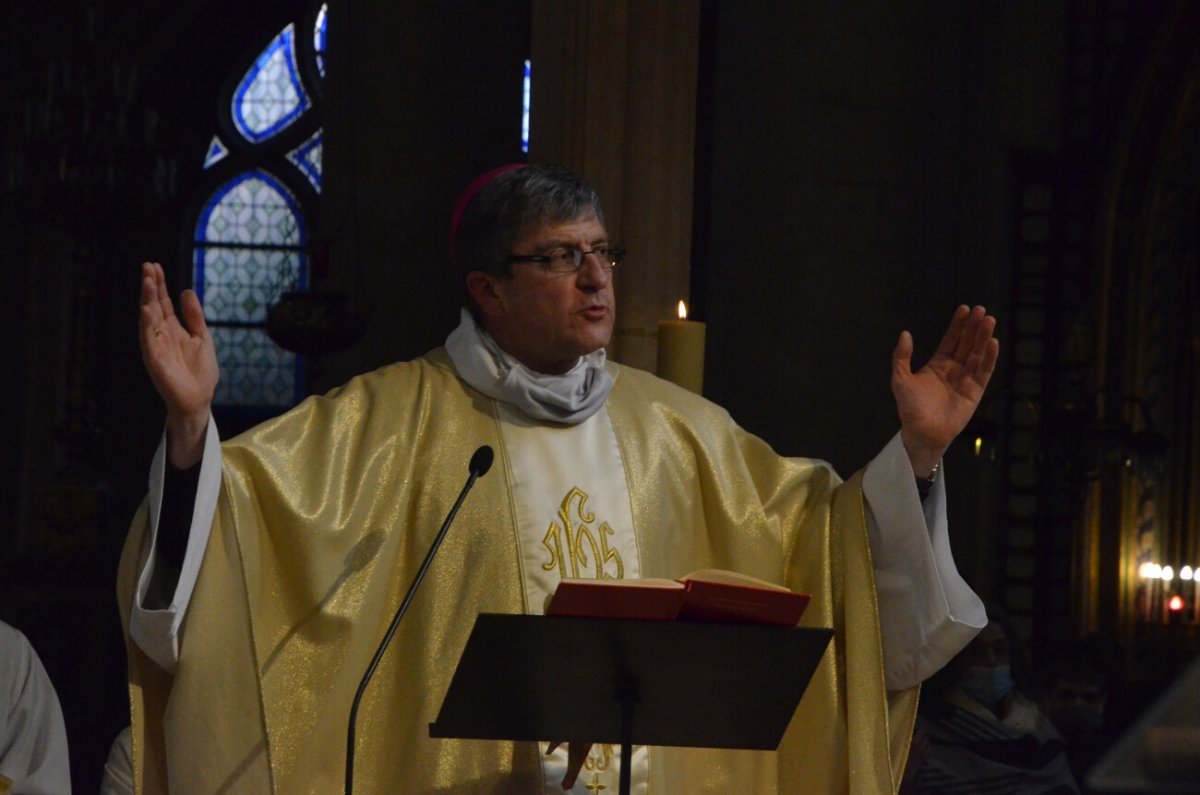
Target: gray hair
(512,204)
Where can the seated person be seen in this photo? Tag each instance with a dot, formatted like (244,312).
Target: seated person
(979,730)
(1074,696)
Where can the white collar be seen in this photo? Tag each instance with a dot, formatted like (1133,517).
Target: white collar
(569,398)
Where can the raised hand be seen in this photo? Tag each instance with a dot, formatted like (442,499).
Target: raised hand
(936,401)
(181,361)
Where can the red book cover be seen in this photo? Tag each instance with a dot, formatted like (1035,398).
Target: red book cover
(649,599)
(706,600)
(708,595)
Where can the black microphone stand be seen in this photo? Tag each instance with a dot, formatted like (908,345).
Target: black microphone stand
(481,461)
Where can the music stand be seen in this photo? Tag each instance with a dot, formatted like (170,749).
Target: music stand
(628,682)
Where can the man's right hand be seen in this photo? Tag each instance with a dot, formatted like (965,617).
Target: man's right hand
(182,363)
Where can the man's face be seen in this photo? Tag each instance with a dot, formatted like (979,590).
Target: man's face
(1076,707)
(548,320)
(1068,692)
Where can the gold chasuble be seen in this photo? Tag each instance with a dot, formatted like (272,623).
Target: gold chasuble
(326,513)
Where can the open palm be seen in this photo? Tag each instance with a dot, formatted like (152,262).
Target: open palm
(936,402)
(180,359)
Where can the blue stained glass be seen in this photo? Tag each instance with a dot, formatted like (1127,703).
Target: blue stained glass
(307,158)
(320,31)
(216,152)
(253,207)
(240,283)
(251,234)
(254,370)
(525,109)
(249,248)
(270,96)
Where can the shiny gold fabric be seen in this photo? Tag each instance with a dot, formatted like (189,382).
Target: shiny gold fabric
(325,515)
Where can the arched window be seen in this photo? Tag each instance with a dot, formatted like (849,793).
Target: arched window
(250,241)
(250,235)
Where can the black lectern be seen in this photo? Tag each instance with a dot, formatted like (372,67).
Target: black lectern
(628,682)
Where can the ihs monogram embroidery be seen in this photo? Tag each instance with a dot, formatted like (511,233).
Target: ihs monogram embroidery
(584,554)
(596,765)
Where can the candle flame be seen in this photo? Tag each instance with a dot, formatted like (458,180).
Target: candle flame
(1168,573)
(1175,604)
(1185,573)
(682,310)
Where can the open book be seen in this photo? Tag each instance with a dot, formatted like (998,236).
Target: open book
(705,595)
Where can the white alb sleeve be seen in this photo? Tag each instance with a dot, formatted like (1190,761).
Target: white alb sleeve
(927,613)
(33,737)
(158,631)
(118,768)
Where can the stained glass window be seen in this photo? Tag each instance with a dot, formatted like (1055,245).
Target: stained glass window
(254,370)
(525,109)
(217,152)
(250,237)
(249,248)
(307,158)
(270,96)
(319,32)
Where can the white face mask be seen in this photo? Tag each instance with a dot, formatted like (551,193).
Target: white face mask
(987,684)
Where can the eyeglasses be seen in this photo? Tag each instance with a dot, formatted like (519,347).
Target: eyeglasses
(570,260)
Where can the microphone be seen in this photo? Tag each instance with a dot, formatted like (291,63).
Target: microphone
(480,463)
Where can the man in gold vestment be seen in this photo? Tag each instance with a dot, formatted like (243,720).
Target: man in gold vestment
(311,526)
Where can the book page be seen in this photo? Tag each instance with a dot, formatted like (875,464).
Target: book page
(642,582)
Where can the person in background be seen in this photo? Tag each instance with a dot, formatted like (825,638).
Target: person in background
(979,729)
(33,738)
(1074,696)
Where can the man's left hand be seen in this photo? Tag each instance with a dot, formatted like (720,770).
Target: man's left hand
(936,401)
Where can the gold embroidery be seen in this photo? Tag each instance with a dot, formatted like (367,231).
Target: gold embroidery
(597,762)
(575,561)
(600,757)
(610,553)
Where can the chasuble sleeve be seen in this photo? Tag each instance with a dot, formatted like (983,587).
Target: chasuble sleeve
(324,516)
(861,726)
(789,520)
